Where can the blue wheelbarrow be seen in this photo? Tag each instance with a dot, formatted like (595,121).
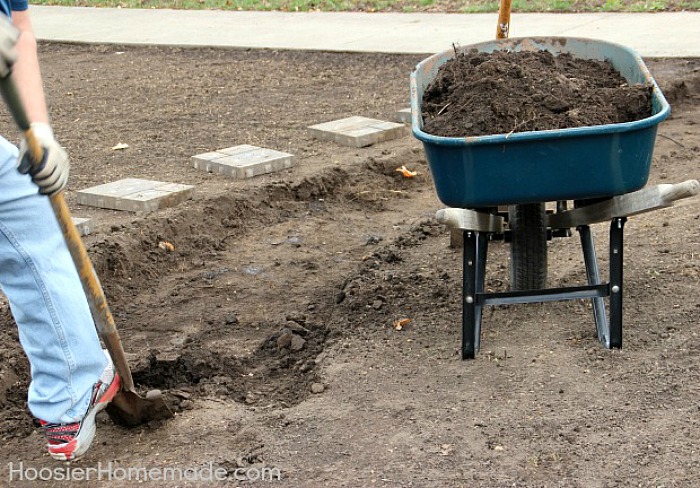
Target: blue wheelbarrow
(600,170)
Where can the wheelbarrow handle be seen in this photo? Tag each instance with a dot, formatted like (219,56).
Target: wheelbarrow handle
(634,203)
(685,189)
(104,321)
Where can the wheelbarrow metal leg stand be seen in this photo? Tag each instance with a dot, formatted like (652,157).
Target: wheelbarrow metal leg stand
(473,276)
(474,298)
(608,334)
(478,226)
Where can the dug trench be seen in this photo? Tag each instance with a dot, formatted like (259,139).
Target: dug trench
(225,298)
(210,293)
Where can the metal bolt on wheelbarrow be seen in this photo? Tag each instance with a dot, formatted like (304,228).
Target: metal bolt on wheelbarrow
(128,408)
(602,169)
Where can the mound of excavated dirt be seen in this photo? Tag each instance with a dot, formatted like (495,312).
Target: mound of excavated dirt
(475,94)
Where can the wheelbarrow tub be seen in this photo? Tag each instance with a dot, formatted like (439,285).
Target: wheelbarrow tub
(541,166)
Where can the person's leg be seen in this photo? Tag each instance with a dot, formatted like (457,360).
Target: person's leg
(47,301)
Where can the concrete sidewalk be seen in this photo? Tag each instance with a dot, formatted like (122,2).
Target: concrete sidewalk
(673,34)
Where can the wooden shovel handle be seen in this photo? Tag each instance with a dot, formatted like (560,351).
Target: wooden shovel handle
(503,20)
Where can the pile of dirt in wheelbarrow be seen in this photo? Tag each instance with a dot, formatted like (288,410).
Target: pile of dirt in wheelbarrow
(478,93)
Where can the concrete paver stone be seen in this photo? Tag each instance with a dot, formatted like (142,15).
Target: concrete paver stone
(135,195)
(84,225)
(358,131)
(243,161)
(403,115)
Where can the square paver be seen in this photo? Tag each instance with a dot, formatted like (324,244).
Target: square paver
(135,195)
(358,131)
(83,225)
(403,115)
(243,161)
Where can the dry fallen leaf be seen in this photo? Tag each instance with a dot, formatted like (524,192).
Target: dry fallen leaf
(121,145)
(406,172)
(166,246)
(399,324)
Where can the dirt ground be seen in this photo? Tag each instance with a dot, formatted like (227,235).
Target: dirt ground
(270,325)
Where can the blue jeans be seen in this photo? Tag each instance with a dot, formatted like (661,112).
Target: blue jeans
(46,298)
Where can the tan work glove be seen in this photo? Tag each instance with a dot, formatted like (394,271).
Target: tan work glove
(51,174)
(8,38)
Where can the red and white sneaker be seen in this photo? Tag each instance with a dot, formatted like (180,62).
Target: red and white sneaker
(67,442)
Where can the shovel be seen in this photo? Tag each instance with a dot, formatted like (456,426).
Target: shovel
(503,27)
(127,408)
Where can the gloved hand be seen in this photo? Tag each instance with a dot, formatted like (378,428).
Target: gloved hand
(8,38)
(51,174)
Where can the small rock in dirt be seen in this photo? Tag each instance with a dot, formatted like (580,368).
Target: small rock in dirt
(285,339)
(340,297)
(231,319)
(297,343)
(187,404)
(372,240)
(377,304)
(297,328)
(297,317)
(317,388)
(295,241)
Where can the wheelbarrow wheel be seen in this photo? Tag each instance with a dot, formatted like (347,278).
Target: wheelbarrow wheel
(528,246)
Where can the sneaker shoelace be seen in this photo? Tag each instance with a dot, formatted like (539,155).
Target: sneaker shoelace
(60,433)
(64,433)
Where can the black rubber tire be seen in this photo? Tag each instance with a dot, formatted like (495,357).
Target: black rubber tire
(528,246)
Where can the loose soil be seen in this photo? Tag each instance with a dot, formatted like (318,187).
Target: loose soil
(476,94)
(270,324)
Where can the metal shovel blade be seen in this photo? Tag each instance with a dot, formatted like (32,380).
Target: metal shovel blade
(129,409)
